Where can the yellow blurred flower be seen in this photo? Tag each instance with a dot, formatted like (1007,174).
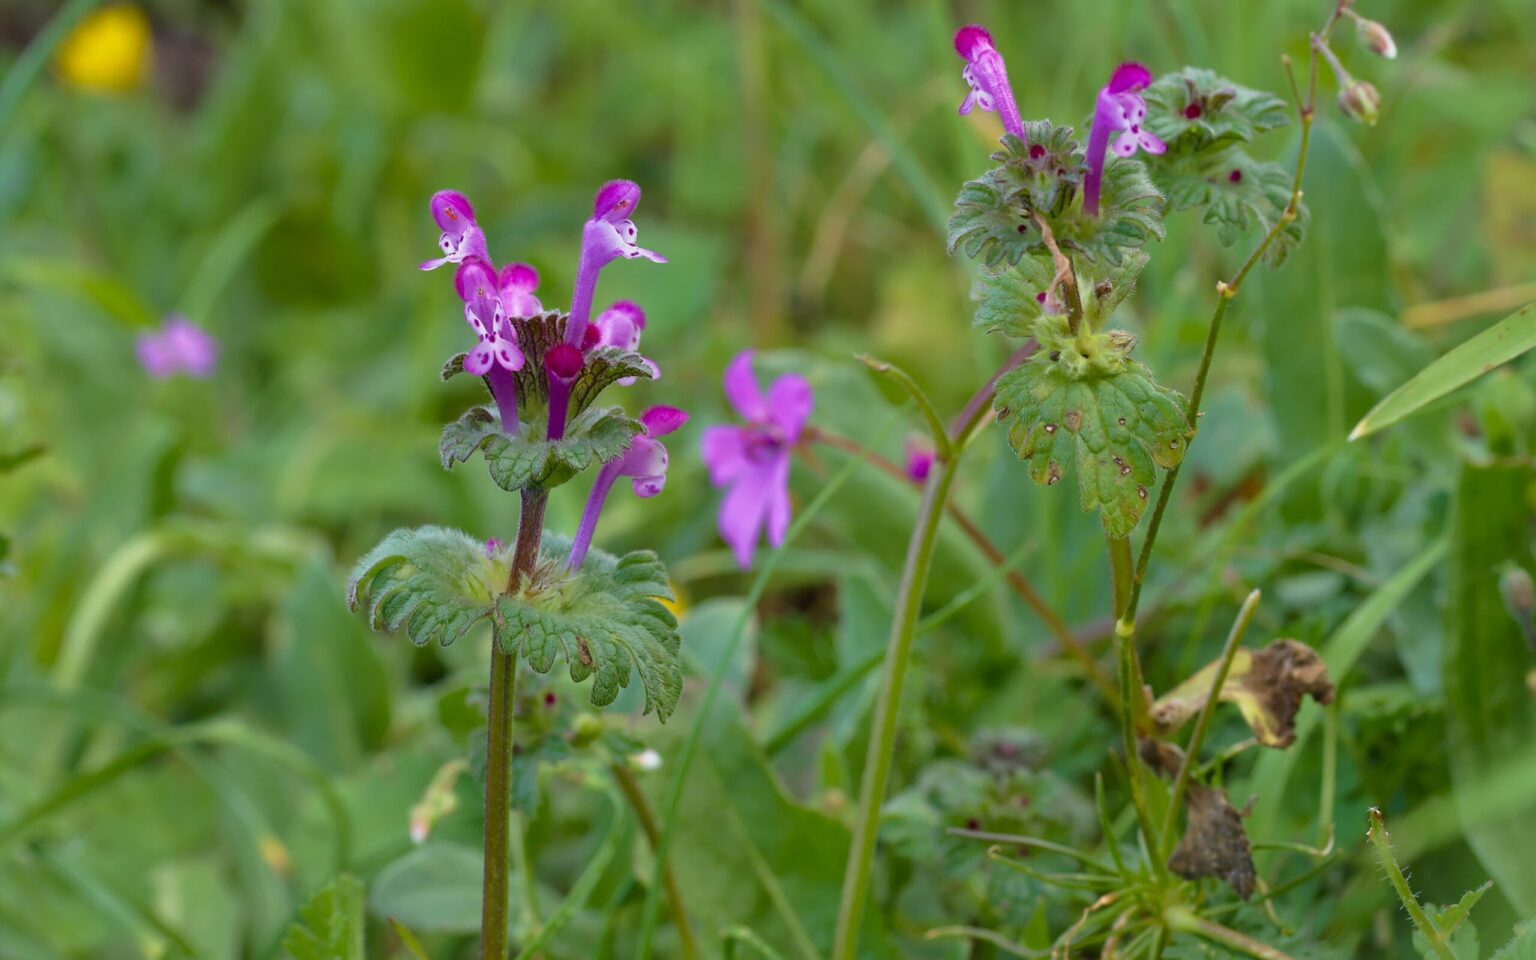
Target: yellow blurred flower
(677,606)
(108,51)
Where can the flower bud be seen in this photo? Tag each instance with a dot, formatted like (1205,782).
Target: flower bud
(1376,38)
(1360,101)
(586,729)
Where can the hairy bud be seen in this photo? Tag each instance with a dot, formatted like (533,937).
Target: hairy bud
(1375,38)
(1360,101)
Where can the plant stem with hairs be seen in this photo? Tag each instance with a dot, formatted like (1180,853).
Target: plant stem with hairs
(498,743)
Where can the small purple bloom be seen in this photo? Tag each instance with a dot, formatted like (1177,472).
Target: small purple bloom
(620,326)
(497,355)
(988,78)
(753,459)
(1119,107)
(645,463)
(609,235)
(177,347)
(920,457)
(493,547)
(461,237)
(562,364)
(517,283)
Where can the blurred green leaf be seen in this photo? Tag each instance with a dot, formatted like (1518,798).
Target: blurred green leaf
(330,925)
(435,888)
(1499,344)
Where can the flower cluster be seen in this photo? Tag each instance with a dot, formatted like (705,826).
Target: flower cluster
(1119,107)
(178,347)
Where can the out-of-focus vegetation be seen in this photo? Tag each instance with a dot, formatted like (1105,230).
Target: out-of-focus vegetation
(195,734)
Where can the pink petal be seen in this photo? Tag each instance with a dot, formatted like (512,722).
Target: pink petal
(474,278)
(433,264)
(644,458)
(480,359)
(516,303)
(518,276)
(660,421)
(452,212)
(742,514)
(790,401)
(1149,142)
(968,104)
(616,200)
(1129,77)
(648,486)
(741,388)
(1125,145)
(778,503)
(967,39)
(508,355)
(724,451)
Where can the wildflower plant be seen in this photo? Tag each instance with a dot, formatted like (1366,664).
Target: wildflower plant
(546,598)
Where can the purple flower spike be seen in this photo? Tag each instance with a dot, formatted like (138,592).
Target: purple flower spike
(609,235)
(753,459)
(497,355)
(988,78)
(177,347)
(462,237)
(620,326)
(645,463)
(517,283)
(1119,107)
(920,457)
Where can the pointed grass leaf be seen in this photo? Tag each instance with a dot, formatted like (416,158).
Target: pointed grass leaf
(607,620)
(330,926)
(1089,405)
(1499,344)
(433,581)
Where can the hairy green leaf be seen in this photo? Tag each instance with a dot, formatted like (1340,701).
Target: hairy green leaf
(1196,110)
(1009,296)
(527,460)
(607,620)
(435,582)
(1523,946)
(1084,401)
(330,925)
(1238,193)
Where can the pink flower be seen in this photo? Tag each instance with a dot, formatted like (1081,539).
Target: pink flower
(620,326)
(988,78)
(1119,107)
(516,285)
(645,463)
(753,459)
(920,457)
(461,237)
(609,235)
(177,347)
(497,356)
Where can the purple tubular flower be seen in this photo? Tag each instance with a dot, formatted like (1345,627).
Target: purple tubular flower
(562,364)
(462,237)
(988,78)
(497,355)
(609,235)
(920,457)
(753,459)
(177,347)
(645,463)
(1119,107)
(516,284)
(620,326)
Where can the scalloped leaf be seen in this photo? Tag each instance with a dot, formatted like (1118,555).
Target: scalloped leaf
(1195,110)
(330,925)
(528,461)
(1090,405)
(1238,193)
(607,620)
(433,581)
(1009,296)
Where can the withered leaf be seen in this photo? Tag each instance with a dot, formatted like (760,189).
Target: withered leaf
(1266,685)
(1214,842)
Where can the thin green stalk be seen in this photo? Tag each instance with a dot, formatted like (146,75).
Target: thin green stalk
(527,881)
(630,787)
(1187,921)
(1378,837)
(882,742)
(581,891)
(1130,682)
(1203,722)
(1120,572)
(498,744)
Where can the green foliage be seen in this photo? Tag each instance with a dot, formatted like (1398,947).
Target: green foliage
(994,218)
(528,460)
(435,582)
(1085,402)
(605,619)
(434,888)
(330,925)
(1224,113)
(1454,926)
(1008,296)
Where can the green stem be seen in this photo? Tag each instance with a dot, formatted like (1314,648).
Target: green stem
(1185,920)
(882,742)
(1203,722)
(1120,574)
(1378,837)
(498,744)
(1130,683)
(630,787)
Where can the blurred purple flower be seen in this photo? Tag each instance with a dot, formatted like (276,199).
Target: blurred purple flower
(177,347)
(493,547)
(988,77)
(920,457)
(496,356)
(645,463)
(461,237)
(517,283)
(1119,107)
(620,326)
(609,235)
(753,459)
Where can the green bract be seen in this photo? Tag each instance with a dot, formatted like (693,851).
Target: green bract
(602,619)
(1083,400)
(1194,110)
(994,214)
(437,583)
(1008,296)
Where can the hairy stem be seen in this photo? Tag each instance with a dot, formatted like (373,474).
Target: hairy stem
(498,744)
(630,787)
(1120,572)
(1384,855)
(1187,921)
